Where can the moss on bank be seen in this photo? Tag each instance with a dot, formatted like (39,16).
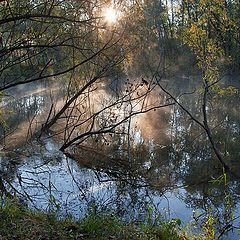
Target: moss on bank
(18,222)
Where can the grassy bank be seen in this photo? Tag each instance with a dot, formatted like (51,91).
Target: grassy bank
(18,222)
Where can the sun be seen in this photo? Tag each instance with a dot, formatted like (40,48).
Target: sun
(110,15)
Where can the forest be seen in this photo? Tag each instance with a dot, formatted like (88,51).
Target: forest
(119,119)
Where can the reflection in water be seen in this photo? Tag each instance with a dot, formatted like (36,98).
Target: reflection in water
(25,111)
(169,165)
(46,179)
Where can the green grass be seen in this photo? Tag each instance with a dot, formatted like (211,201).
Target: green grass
(18,222)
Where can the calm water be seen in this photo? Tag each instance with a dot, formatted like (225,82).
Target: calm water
(169,168)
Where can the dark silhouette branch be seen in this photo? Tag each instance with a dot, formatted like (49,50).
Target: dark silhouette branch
(111,128)
(40,77)
(44,16)
(203,124)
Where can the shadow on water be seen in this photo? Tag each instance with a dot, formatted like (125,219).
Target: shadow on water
(169,167)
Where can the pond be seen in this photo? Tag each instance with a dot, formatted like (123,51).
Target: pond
(168,167)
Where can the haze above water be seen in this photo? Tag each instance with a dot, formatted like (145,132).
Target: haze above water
(169,168)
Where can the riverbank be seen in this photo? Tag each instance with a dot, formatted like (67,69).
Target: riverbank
(19,222)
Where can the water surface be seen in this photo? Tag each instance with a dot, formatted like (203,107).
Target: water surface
(167,164)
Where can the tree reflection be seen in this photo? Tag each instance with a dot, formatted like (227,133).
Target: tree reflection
(167,151)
